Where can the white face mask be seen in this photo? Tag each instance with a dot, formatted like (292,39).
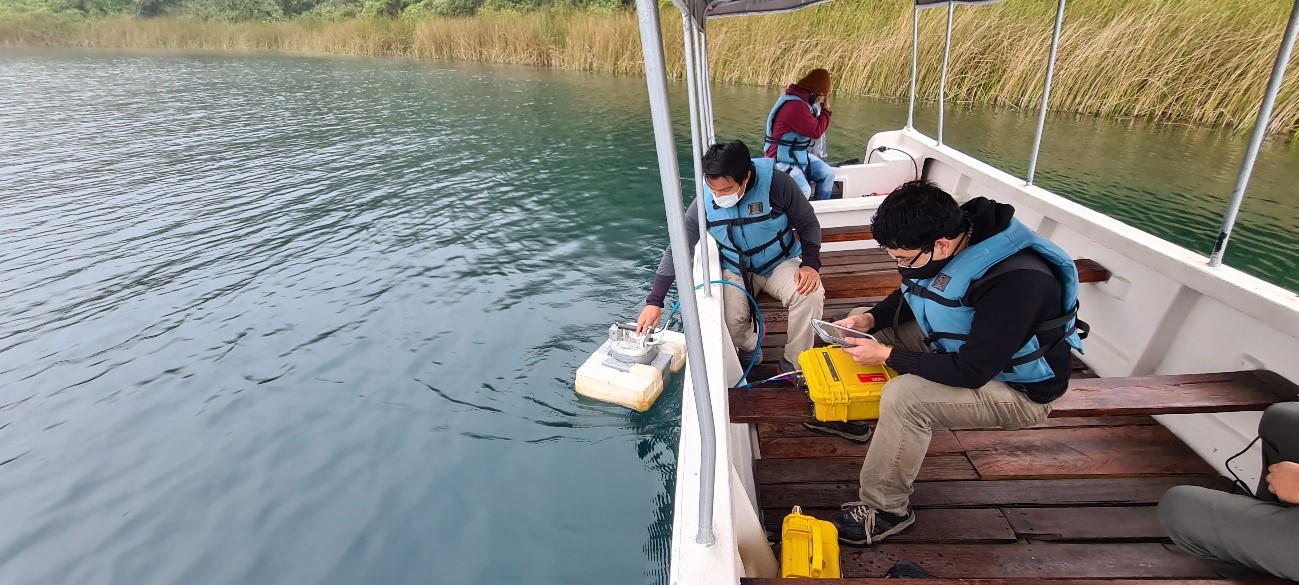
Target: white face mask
(726,200)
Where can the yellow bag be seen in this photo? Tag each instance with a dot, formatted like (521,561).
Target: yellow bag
(840,388)
(809,548)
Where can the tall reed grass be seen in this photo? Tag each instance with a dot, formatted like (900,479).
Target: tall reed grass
(1197,61)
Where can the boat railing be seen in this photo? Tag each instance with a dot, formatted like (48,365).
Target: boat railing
(669,176)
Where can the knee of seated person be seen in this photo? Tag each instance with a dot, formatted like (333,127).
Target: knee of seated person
(902,392)
(1181,504)
(815,296)
(1279,418)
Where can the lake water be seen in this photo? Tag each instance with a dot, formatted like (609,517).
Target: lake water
(305,320)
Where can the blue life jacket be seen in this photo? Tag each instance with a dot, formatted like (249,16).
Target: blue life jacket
(943,315)
(791,147)
(753,238)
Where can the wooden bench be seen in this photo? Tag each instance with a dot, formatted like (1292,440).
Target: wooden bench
(871,273)
(847,234)
(1179,394)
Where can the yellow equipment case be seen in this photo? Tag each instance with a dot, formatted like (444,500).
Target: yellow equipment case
(840,388)
(809,548)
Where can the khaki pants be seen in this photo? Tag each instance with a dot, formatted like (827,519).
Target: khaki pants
(910,406)
(802,309)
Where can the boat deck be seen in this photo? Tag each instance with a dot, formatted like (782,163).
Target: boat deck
(1070,499)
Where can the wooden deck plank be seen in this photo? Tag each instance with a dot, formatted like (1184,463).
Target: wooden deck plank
(847,233)
(943,443)
(978,525)
(886,280)
(773,430)
(1187,393)
(1080,452)
(1222,392)
(846,469)
(1078,524)
(1000,493)
(991,561)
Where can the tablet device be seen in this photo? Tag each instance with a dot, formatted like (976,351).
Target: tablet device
(831,333)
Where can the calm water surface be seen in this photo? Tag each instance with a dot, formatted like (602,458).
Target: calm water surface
(297,320)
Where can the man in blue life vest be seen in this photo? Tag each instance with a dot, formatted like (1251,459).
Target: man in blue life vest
(769,240)
(800,116)
(981,330)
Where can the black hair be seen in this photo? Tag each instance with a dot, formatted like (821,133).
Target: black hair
(916,214)
(729,159)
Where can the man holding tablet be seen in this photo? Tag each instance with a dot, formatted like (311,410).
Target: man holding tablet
(981,330)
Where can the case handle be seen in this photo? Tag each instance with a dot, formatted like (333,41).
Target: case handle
(818,554)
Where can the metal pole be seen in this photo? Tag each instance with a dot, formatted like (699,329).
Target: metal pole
(705,131)
(915,60)
(1046,92)
(942,83)
(696,136)
(706,83)
(647,12)
(1260,127)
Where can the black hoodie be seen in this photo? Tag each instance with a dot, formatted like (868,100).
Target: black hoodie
(1008,308)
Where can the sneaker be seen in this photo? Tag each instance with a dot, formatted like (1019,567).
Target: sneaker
(784,367)
(746,357)
(857,432)
(863,525)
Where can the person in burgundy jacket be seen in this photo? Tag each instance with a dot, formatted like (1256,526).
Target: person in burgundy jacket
(800,116)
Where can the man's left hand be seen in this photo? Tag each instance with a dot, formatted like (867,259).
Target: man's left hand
(1283,480)
(807,280)
(866,352)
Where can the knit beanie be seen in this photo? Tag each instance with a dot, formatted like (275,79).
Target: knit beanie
(816,81)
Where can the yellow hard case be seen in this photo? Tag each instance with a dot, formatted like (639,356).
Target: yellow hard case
(809,548)
(840,388)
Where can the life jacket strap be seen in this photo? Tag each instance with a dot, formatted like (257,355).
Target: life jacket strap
(915,288)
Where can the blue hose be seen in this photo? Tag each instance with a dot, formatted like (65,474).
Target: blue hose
(757,314)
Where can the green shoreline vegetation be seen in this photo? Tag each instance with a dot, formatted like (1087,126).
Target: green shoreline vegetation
(1204,62)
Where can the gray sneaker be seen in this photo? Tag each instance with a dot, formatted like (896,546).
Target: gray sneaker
(863,525)
(855,431)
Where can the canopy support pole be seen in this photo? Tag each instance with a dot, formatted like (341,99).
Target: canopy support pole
(942,84)
(647,13)
(693,73)
(1256,140)
(1046,92)
(706,85)
(915,60)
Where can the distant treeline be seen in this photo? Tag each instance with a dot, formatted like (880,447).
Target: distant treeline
(274,10)
(1197,61)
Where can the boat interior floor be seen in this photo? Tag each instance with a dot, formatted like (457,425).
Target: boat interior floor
(1069,500)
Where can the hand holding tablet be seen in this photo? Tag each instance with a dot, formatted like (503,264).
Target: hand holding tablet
(831,333)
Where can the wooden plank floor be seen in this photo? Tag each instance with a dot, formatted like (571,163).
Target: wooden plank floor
(1071,498)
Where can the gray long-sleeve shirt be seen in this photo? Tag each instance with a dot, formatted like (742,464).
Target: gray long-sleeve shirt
(786,198)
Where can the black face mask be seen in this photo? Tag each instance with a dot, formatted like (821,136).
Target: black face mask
(929,270)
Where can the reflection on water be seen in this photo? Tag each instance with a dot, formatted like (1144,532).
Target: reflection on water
(294,320)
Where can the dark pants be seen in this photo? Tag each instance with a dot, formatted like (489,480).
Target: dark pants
(1240,536)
